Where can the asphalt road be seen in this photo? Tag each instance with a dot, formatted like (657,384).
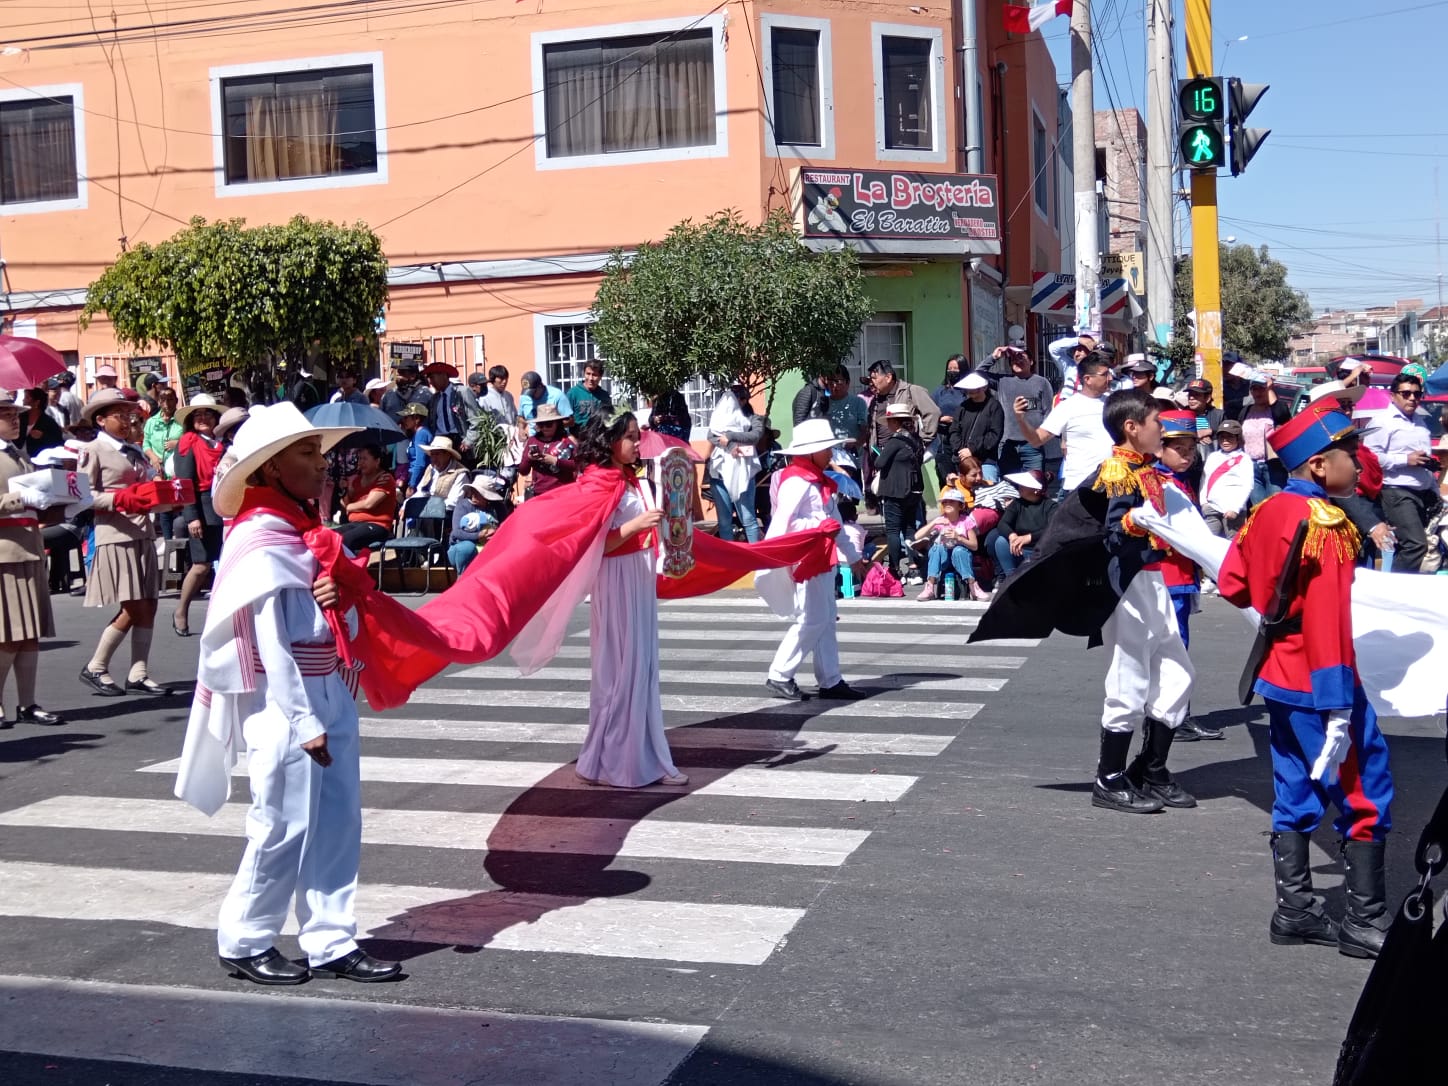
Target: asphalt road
(913,891)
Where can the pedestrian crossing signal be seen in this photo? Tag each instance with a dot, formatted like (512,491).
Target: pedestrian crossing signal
(1202,137)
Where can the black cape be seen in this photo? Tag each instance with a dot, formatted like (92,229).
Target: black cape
(1064,586)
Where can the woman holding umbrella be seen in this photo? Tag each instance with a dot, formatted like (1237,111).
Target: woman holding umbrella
(25,615)
(197,455)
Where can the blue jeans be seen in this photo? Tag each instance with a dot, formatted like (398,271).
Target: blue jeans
(725,509)
(461,553)
(1006,562)
(958,557)
(1021,456)
(1268,477)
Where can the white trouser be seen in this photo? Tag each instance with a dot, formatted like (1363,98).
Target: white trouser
(304,835)
(813,632)
(1150,673)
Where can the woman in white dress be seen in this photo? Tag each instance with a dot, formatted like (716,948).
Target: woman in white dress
(625,746)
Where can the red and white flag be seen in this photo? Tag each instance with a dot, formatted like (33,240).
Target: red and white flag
(1022,20)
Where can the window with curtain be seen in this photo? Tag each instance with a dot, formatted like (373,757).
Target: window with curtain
(37,150)
(794,55)
(629,94)
(299,124)
(905,66)
(1039,161)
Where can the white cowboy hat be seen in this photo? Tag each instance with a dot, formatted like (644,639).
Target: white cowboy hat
(374,384)
(1337,390)
(811,436)
(442,444)
(1024,480)
(1164,394)
(200,402)
(268,431)
(479,486)
(899,411)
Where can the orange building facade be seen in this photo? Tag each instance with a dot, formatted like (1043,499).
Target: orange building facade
(502,150)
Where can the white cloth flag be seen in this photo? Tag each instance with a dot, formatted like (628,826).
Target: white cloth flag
(1399,620)
(1020,19)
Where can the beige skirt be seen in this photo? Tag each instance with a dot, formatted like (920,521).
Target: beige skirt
(121,572)
(25,602)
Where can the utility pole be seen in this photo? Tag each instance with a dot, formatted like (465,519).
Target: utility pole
(1206,253)
(1160,118)
(1083,155)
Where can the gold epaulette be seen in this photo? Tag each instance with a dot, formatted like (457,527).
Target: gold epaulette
(1330,530)
(1117,478)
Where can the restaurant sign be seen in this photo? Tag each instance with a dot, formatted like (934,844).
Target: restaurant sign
(898,212)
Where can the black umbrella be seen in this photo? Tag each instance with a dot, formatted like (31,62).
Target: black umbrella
(377,428)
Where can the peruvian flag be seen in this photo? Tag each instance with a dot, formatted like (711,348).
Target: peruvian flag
(1022,20)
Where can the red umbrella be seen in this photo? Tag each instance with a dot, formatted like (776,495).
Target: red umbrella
(26,363)
(654,444)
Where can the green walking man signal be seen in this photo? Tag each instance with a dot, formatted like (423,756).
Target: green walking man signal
(1202,138)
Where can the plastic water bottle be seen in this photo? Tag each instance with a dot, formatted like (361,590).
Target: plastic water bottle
(847,582)
(950,586)
(1386,550)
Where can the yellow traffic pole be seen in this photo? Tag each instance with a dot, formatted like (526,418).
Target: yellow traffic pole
(1206,252)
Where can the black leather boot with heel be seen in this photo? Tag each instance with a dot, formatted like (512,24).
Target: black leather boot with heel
(1148,771)
(1300,916)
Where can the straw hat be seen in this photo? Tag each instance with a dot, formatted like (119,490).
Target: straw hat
(268,431)
(811,436)
(375,385)
(231,418)
(105,398)
(442,444)
(899,411)
(546,412)
(7,398)
(200,402)
(479,486)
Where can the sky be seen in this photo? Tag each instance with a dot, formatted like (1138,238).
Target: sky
(1343,190)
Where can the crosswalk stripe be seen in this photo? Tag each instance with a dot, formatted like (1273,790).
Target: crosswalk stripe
(614,927)
(924,617)
(735,634)
(473,831)
(495,674)
(369,1043)
(873,707)
(856,662)
(680,736)
(750,602)
(750,781)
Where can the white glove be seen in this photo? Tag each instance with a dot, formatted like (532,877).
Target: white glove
(1334,749)
(33,497)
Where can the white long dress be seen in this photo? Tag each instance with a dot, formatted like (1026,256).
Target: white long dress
(625,746)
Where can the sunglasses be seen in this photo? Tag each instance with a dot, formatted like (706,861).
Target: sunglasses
(1409,394)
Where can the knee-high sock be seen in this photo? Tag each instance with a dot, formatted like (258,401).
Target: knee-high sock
(7,658)
(106,647)
(140,653)
(27,663)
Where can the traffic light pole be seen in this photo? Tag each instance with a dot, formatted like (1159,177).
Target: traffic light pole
(1206,252)
(1160,227)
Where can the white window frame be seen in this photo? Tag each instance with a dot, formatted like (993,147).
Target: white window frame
(825,149)
(936,36)
(1041,170)
(289,67)
(542,322)
(718,149)
(76,93)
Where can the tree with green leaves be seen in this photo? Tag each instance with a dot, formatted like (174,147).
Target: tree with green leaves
(1261,311)
(728,301)
(226,294)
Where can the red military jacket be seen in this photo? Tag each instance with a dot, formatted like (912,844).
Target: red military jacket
(1312,667)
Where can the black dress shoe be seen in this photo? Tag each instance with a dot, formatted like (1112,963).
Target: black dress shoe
(146,686)
(359,966)
(1191,731)
(268,967)
(841,691)
(102,683)
(34,714)
(788,689)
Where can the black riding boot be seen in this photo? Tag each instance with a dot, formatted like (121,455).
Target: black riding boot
(1112,788)
(1365,925)
(1300,917)
(1148,772)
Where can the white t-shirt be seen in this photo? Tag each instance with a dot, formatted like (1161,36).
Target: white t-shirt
(1077,422)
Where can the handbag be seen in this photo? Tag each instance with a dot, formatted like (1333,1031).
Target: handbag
(1396,1030)
(881,583)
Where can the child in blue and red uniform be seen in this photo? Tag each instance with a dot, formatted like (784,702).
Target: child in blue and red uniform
(1326,745)
(1183,579)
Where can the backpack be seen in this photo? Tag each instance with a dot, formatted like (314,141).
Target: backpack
(881,583)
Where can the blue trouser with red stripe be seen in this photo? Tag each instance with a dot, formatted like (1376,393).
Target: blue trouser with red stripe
(1363,792)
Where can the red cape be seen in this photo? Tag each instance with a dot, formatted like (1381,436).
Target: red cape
(512,578)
